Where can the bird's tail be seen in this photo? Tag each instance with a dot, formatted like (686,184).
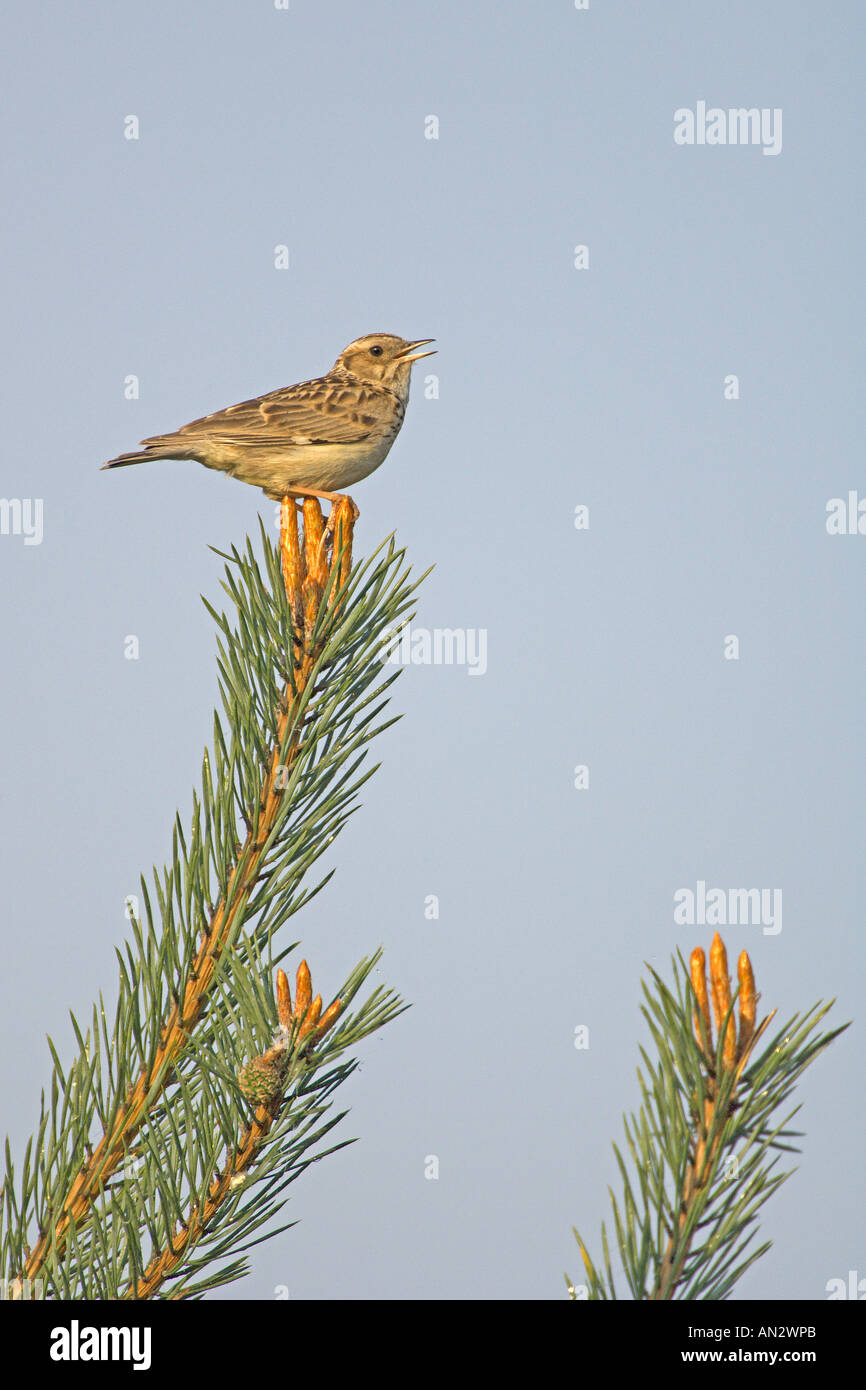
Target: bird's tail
(122,460)
(159,447)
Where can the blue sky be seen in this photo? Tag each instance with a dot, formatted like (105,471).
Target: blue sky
(558,387)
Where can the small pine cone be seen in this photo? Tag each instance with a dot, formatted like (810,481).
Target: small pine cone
(260,1080)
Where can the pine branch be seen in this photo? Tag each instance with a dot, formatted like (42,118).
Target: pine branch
(128,1140)
(265,1081)
(704,1145)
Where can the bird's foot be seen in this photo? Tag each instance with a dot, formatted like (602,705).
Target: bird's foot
(333,497)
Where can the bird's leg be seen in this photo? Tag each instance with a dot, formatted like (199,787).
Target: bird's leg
(332,497)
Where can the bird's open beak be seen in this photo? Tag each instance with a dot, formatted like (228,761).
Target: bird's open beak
(416,356)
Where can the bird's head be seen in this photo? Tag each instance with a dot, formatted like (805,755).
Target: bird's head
(382,359)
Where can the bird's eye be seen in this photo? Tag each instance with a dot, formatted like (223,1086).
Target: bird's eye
(375,350)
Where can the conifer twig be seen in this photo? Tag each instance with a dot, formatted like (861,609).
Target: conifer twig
(701,1165)
(264,1081)
(317,577)
(702,1143)
(110,1152)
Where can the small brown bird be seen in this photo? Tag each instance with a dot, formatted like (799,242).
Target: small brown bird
(311,440)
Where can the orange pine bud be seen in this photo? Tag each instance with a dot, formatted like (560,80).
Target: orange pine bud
(292,561)
(303,991)
(329,1018)
(312,1018)
(290,551)
(748,1001)
(721,985)
(698,971)
(344,525)
(284,1000)
(314,549)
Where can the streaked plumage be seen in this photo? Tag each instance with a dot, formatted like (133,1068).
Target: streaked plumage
(318,437)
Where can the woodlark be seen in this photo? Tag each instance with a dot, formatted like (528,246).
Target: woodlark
(311,440)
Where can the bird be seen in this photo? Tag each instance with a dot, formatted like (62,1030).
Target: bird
(314,439)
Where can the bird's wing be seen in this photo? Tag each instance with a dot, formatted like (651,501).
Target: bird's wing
(314,412)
